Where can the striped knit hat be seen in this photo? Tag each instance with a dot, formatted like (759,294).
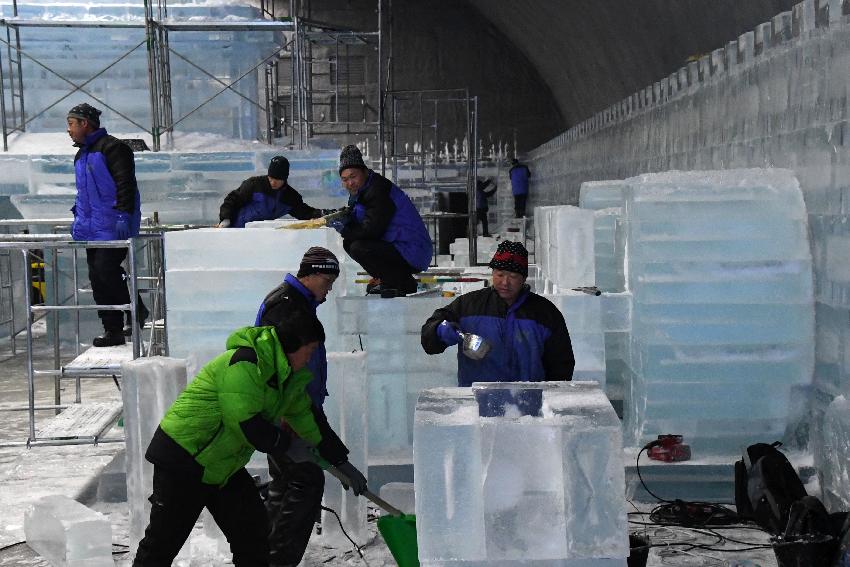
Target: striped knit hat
(512,257)
(318,260)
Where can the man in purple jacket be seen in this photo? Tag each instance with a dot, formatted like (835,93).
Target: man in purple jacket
(107,207)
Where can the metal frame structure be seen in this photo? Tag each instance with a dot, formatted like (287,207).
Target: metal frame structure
(52,244)
(424,123)
(157,27)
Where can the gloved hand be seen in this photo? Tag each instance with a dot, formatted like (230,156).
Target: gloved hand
(355,478)
(122,226)
(337,224)
(325,212)
(224,223)
(300,451)
(448,331)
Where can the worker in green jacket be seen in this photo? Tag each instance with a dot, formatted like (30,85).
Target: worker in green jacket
(232,408)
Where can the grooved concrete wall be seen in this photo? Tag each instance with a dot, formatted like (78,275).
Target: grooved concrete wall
(776,97)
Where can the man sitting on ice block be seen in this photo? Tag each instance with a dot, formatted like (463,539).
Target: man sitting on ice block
(527,334)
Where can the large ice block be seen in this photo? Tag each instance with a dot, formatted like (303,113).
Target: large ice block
(345,408)
(397,367)
(583,315)
(149,386)
(833,457)
(720,273)
(68,534)
(564,237)
(520,489)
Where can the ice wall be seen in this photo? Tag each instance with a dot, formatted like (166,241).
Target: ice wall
(779,98)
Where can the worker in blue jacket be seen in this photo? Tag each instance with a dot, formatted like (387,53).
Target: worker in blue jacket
(265,197)
(519,174)
(296,488)
(384,232)
(527,333)
(107,207)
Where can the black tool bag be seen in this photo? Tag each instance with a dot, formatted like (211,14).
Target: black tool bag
(766,485)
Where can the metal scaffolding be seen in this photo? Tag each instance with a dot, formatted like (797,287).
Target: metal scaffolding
(420,144)
(77,422)
(328,95)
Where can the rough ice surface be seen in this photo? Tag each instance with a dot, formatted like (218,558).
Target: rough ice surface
(459,250)
(582,314)
(149,387)
(68,534)
(216,280)
(510,490)
(565,246)
(397,367)
(720,272)
(346,407)
(833,458)
(400,495)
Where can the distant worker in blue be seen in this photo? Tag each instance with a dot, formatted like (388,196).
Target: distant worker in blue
(265,197)
(484,189)
(520,174)
(384,232)
(107,207)
(295,492)
(527,334)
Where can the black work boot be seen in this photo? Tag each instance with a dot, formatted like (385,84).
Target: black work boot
(109,338)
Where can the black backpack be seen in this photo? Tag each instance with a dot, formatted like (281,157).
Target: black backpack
(766,485)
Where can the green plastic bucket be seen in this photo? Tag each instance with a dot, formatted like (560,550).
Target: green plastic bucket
(399,533)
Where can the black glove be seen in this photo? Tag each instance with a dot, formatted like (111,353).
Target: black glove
(356,480)
(325,212)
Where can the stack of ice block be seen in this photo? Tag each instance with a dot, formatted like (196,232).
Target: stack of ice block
(217,278)
(564,246)
(344,407)
(616,326)
(597,195)
(459,249)
(397,367)
(723,319)
(607,198)
(150,385)
(68,534)
(584,322)
(833,458)
(520,490)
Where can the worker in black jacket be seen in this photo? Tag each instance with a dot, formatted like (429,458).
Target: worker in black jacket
(527,333)
(265,197)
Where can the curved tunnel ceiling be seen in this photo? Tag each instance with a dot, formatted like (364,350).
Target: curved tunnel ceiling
(593,53)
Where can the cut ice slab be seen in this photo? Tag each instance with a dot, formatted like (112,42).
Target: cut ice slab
(68,534)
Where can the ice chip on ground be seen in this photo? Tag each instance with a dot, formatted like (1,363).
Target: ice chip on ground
(68,534)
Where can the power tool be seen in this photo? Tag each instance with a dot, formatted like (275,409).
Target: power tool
(668,448)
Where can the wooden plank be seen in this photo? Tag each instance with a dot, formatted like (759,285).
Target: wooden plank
(81,420)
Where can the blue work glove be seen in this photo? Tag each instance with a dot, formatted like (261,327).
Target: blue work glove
(122,226)
(448,332)
(337,224)
(356,480)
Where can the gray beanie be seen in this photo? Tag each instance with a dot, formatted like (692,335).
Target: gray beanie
(86,112)
(351,157)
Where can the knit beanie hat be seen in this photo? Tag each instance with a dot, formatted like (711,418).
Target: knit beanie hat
(351,157)
(279,168)
(86,112)
(512,257)
(318,260)
(297,328)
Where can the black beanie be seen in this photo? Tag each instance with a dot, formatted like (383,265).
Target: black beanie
(318,260)
(279,168)
(351,157)
(297,328)
(86,112)
(512,257)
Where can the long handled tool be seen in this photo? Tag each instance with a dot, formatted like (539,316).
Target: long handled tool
(319,222)
(398,529)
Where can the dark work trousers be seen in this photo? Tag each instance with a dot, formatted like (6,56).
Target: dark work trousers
(481,215)
(109,285)
(293,504)
(381,260)
(178,499)
(519,205)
